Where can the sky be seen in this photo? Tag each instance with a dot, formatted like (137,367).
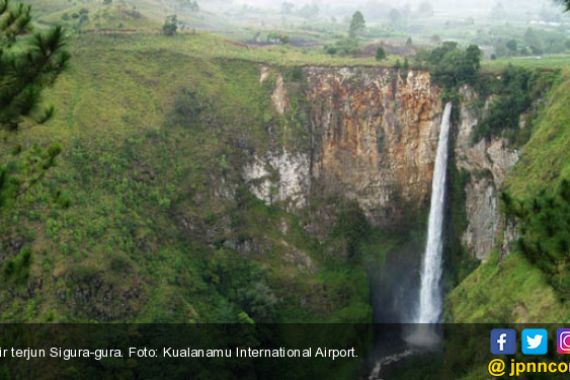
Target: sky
(439,5)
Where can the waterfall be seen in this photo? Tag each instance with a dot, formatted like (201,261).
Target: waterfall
(430,302)
(424,333)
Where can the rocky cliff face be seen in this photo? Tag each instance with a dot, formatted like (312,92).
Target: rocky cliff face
(374,136)
(488,163)
(376,133)
(373,139)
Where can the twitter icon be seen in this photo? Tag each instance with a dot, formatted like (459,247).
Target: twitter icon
(534,341)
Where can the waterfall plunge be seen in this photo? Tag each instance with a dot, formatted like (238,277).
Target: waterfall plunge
(423,334)
(428,312)
(430,303)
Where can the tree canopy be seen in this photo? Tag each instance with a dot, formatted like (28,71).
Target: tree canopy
(357,25)
(380,54)
(26,68)
(452,66)
(170,26)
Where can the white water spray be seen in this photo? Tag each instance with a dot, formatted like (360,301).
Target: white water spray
(430,303)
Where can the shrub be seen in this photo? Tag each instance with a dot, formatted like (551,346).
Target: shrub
(352,227)
(243,283)
(545,233)
(17,269)
(514,94)
(451,66)
(170,26)
(380,54)
(344,46)
(188,107)
(331,50)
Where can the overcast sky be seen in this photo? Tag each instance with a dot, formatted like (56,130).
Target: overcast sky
(439,5)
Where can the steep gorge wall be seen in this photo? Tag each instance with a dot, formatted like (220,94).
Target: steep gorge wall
(373,135)
(376,133)
(488,163)
(373,139)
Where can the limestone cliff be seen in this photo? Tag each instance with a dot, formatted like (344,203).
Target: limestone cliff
(376,133)
(373,135)
(488,163)
(373,139)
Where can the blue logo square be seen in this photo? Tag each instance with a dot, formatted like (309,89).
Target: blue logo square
(503,342)
(534,341)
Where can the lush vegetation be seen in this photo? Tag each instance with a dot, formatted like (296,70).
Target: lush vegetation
(458,263)
(135,211)
(511,92)
(513,95)
(25,69)
(451,66)
(28,64)
(144,216)
(132,223)
(537,196)
(528,284)
(506,289)
(545,233)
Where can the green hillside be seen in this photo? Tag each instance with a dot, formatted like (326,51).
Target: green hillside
(132,167)
(515,288)
(247,185)
(128,225)
(135,219)
(546,158)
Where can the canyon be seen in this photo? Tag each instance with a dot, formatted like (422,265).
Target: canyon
(373,140)
(298,186)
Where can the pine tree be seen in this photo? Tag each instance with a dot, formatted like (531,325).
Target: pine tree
(380,54)
(357,25)
(170,26)
(26,68)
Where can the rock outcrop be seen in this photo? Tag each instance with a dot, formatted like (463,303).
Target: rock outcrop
(373,139)
(488,163)
(279,177)
(374,135)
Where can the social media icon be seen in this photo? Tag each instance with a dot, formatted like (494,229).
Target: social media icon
(534,341)
(563,341)
(503,342)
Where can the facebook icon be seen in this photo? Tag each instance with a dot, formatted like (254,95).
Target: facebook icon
(503,342)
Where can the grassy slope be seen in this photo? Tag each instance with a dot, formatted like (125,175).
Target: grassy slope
(548,62)
(147,18)
(118,228)
(546,158)
(111,104)
(98,16)
(127,226)
(514,290)
(511,290)
(211,46)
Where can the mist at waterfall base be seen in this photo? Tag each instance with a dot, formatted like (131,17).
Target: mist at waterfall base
(408,292)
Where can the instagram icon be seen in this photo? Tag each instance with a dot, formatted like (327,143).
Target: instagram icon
(563,341)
